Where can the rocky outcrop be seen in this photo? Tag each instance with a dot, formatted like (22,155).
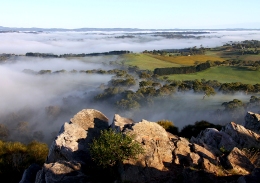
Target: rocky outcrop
(70,150)
(243,137)
(213,140)
(166,157)
(252,122)
(230,136)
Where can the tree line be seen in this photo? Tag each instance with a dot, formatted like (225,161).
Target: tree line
(182,70)
(50,55)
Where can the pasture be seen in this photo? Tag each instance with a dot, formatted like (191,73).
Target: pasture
(223,74)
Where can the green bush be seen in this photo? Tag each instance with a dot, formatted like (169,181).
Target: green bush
(168,126)
(111,148)
(15,157)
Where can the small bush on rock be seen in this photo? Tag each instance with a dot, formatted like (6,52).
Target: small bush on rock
(111,148)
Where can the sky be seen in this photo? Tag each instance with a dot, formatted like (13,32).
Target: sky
(147,14)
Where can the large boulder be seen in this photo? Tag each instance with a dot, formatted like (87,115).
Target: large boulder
(157,153)
(72,142)
(213,140)
(183,155)
(90,119)
(69,145)
(252,122)
(239,163)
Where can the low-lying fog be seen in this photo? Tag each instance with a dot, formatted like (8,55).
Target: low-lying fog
(101,41)
(47,101)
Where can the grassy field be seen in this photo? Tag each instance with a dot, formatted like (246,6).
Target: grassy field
(222,74)
(187,60)
(144,61)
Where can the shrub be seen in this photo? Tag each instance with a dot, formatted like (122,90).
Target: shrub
(193,130)
(168,126)
(15,157)
(111,148)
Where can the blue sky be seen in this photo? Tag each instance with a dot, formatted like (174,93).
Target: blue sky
(130,13)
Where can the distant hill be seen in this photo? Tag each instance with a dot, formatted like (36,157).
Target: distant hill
(36,29)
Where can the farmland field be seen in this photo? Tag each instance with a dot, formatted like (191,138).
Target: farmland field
(222,74)
(144,61)
(187,60)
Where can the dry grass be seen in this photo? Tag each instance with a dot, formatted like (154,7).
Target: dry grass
(187,60)
(144,61)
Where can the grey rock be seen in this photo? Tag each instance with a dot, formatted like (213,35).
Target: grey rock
(158,153)
(90,119)
(69,145)
(30,174)
(243,137)
(61,171)
(120,123)
(72,143)
(252,122)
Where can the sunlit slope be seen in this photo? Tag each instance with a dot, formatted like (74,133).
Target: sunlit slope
(222,74)
(187,60)
(144,61)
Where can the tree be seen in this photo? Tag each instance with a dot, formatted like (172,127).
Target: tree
(112,148)
(208,90)
(168,126)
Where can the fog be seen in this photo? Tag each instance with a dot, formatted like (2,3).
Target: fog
(26,96)
(103,41)
(46,101)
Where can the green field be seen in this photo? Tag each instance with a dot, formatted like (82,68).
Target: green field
(222,74)
(144,61)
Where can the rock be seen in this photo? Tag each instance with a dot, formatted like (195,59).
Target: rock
(214,140)
(204,153)
(30,174)
(212,168)
(254,177)
(165,158)
(61,171)
(183,155)
(252,122)
(158,153)
(243,137)
(72,143)
(239,163)
(230,136)
(90,119)
(69,145)
(119,123)
(253,155)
